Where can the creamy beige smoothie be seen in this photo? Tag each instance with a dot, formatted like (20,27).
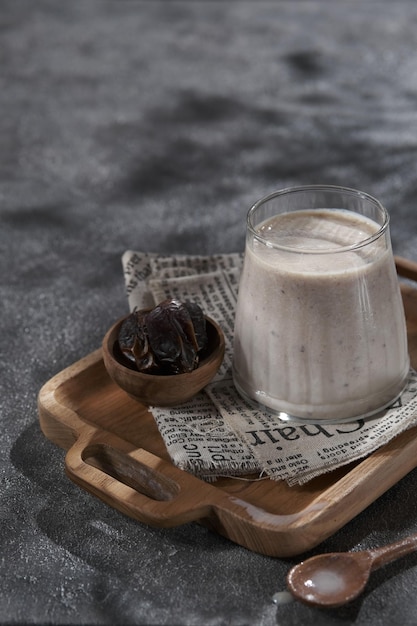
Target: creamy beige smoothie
(320,334)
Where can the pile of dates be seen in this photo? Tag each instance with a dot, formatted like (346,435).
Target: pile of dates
(165,340)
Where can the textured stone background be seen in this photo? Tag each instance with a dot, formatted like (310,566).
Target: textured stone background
(154,126)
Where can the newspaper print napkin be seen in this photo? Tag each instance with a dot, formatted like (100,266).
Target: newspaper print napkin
(217,433)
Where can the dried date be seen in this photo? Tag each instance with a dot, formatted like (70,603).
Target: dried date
(165,340)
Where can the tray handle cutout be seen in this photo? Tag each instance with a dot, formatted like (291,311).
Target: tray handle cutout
(135,481)
(130,471)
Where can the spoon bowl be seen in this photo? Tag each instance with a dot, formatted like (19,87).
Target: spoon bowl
(330,580)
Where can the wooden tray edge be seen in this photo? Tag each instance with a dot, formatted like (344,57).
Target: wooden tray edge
(49,407)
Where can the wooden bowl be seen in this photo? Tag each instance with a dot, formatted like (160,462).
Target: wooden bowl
(162,390)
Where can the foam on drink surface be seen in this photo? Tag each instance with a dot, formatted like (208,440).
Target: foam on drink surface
(323,235)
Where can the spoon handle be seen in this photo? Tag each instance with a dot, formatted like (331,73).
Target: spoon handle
(385,554)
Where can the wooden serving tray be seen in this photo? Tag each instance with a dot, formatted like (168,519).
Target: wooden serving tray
(115,452)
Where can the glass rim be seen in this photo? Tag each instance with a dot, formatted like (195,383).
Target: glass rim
(335,188)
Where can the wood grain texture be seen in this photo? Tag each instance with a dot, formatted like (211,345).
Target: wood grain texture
(116,453)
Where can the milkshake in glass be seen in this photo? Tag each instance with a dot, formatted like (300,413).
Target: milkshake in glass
(320,331)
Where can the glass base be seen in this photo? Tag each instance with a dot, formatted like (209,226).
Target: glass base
(257,403)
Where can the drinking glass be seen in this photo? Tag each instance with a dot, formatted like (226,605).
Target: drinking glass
(320,331)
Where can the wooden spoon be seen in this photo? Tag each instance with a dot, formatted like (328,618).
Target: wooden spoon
(330,580)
